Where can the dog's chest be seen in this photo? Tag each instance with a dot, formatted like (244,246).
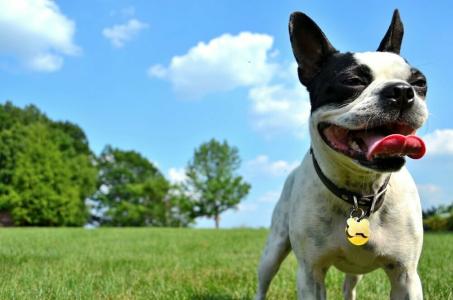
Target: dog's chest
(322,231)
(356,259)
(350,258)
(317,223)
(383,247)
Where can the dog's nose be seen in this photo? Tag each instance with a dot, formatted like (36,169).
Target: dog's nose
(399,95)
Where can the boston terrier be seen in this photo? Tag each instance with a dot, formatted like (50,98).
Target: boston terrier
(352,203)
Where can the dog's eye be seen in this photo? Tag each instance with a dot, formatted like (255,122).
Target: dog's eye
(353,81)
(420,83)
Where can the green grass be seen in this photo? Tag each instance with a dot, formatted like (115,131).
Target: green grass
(173,264)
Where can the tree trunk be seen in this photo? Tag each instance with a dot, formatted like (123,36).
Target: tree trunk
(6,219)
(217,221)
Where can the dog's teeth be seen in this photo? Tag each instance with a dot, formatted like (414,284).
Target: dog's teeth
(354,146)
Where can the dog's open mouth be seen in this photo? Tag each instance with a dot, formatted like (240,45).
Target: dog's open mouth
(390,141)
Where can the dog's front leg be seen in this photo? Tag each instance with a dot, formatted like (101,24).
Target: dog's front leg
(350,282)
(405,283)
(310,282)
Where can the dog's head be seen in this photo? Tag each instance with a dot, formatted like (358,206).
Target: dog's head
(365,107)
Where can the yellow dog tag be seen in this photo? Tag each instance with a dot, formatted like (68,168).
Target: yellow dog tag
(357,231)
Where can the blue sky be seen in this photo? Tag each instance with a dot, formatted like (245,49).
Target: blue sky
(162,77)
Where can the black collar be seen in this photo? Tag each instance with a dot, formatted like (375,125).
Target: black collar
(367,201)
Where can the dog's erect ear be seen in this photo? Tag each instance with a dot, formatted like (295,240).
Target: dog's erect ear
(310,46)
(394,36)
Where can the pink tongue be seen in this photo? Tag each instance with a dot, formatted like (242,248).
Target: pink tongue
(395,145)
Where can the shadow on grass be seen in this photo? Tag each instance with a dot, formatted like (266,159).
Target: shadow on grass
(212,296)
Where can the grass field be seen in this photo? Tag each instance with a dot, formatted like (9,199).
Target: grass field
(173,264)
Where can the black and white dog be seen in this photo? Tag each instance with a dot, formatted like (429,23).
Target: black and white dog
(351,203)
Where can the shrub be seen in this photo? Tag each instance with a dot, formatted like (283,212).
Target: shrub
(437,223)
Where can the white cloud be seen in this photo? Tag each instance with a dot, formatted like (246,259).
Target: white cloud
(270,197)
(279,104)
(247,207)
(429,188)
(262,165)
(36,33)
(439,142)
(46,62)
(177,175)
(122,33)
(281,108)
(222,64)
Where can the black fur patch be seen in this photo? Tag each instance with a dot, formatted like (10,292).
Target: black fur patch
(340,81)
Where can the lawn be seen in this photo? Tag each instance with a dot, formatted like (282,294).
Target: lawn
(173,264)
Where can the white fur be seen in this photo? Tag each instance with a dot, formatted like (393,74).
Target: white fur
(384,65)
(309,220)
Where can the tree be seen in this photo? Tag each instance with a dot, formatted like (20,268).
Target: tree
(212,179)
(133,192)
(180,210)
(438,218)
(45,175)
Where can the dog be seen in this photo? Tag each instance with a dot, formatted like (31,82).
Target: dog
(352,203)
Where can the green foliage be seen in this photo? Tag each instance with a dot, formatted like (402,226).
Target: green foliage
(181,208)
(132,192)
(212,180)
(450,222)
(438,218)
(46,169)
(48,172)
(435,223)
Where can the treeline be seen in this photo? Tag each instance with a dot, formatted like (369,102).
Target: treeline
(49,176)
(438,218)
